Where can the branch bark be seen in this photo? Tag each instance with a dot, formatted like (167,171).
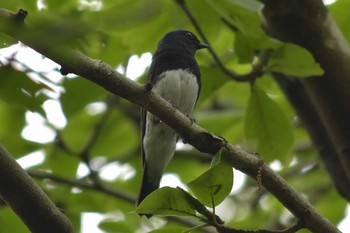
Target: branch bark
(28,200)
(108,78)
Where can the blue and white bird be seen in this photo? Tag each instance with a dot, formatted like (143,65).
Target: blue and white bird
(174,75)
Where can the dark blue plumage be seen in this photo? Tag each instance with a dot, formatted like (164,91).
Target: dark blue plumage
(174,74)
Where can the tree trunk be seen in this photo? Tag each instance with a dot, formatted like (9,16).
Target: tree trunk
(322,103)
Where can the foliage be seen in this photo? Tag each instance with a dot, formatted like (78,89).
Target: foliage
(102,129)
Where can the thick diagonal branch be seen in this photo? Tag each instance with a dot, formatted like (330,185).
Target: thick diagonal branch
(27,199)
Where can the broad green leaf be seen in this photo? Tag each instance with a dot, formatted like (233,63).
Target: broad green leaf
(214,185)
(186,167)
(167,201)
(267,124)
(293,60)
(196,204)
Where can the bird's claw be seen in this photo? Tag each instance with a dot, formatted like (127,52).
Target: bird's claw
(148,86)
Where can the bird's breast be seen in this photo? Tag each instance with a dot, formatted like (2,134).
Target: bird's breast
(180,88)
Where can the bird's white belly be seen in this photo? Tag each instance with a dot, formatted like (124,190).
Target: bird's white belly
(180,88)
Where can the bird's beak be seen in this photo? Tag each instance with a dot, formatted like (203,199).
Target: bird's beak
(202,45)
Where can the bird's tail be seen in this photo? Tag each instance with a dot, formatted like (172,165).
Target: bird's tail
(147,187)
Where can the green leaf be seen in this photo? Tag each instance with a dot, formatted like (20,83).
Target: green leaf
(267,124)
(214,185)
(293,60)
(167,201)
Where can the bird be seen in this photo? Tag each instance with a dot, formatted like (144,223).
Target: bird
(174,75)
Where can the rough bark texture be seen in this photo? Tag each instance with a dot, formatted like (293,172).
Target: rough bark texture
(28,200)
(321,102)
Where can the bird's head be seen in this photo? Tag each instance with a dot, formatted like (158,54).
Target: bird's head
(181,40)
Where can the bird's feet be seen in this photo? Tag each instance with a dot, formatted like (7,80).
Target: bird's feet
(148,86)
(193,121)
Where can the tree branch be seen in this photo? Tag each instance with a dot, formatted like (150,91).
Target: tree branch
(27,199)
(105,76)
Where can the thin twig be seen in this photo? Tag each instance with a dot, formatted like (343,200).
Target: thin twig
(82,184)
(96,132)
(84,154)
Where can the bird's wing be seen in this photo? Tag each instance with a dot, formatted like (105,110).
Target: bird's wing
(143,130)
(151,79)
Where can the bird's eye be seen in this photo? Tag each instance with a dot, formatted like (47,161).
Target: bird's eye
(189,35)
